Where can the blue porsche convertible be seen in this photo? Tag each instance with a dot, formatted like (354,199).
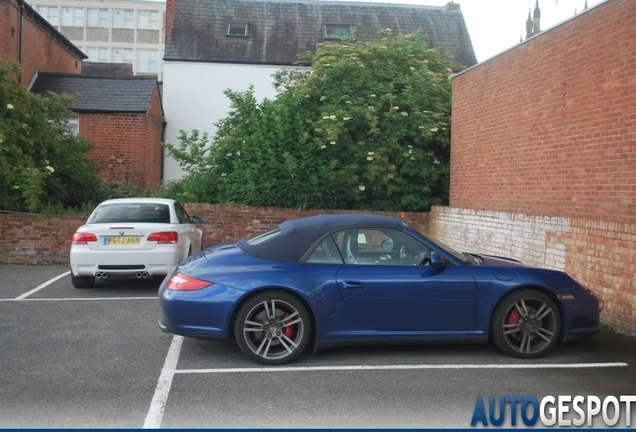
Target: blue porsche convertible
(356,278)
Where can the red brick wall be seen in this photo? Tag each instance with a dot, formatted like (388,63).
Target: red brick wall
(546,132)
(549,127)
(35,239)
(128,146)
(225,223)
(43,48)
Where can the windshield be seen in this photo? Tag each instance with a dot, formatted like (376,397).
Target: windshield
(131,212)
(464,258)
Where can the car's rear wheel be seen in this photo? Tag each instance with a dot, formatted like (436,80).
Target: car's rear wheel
(526,324)
(272,328)
(82,281)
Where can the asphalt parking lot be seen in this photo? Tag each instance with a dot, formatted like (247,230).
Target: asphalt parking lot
(96,358)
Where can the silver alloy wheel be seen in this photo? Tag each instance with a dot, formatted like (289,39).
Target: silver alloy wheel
(272,328)
(526,324)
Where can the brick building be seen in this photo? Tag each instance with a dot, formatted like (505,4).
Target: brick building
(543,163)
(123,115)
(27,38)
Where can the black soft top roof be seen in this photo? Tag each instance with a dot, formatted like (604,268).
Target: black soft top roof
(297,236)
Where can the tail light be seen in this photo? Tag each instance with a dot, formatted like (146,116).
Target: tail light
(181,282)
(84,238)
(166,237)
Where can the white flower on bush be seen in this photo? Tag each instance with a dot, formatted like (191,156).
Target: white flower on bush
(50,169)
(361,187)
(9,106)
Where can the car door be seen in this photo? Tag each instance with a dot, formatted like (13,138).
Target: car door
(389,286)
(193,233)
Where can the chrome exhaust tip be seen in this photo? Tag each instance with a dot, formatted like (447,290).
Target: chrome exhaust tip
(138,275)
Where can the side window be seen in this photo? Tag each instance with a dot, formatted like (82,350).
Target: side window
(182,216)
(325,253)
(381,246)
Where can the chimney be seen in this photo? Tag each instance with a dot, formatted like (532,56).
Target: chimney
(170,4)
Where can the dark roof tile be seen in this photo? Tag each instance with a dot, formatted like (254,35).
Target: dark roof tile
(100,94)
(282,29)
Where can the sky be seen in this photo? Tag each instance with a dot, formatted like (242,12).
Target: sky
(496,25)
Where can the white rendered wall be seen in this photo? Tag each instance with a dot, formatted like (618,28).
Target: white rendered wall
(535,240)
(193,98)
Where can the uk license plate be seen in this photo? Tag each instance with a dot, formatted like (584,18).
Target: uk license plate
(122,240)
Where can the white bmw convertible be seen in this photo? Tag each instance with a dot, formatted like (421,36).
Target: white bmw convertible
(137,237)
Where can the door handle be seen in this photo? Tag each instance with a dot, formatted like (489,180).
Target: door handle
(353,286)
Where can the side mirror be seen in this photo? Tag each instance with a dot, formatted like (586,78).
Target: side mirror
(437,260)
(197,219)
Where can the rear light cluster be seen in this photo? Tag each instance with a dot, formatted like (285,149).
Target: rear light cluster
(181,282)
(166,237)
(83,238)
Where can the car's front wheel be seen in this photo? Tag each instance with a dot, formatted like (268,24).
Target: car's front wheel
(273,327)
(82,281)
(526,324)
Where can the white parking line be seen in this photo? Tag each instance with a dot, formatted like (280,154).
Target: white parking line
(44,285)
(404,367)
(158,404)
(160,398)
(77,299)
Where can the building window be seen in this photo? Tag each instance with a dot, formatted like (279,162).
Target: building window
(337,31)
(99,55)
(148,20)
(147,61)
(123,55)
(49,13)
(238,29)
(72,17)
(73,125)
(97,18)
(123,19)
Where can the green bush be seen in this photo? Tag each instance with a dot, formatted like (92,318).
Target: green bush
(368,127)
(43,164)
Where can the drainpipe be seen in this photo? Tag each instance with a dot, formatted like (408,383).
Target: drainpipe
(21,3)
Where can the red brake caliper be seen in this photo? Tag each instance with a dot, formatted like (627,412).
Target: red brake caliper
(289,331)
(514,317)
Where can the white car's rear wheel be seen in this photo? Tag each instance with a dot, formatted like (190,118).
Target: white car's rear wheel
(82,281)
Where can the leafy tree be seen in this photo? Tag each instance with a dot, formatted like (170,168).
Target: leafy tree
(42,162)
(368,127)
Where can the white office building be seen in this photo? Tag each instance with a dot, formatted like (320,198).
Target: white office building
(112,31)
